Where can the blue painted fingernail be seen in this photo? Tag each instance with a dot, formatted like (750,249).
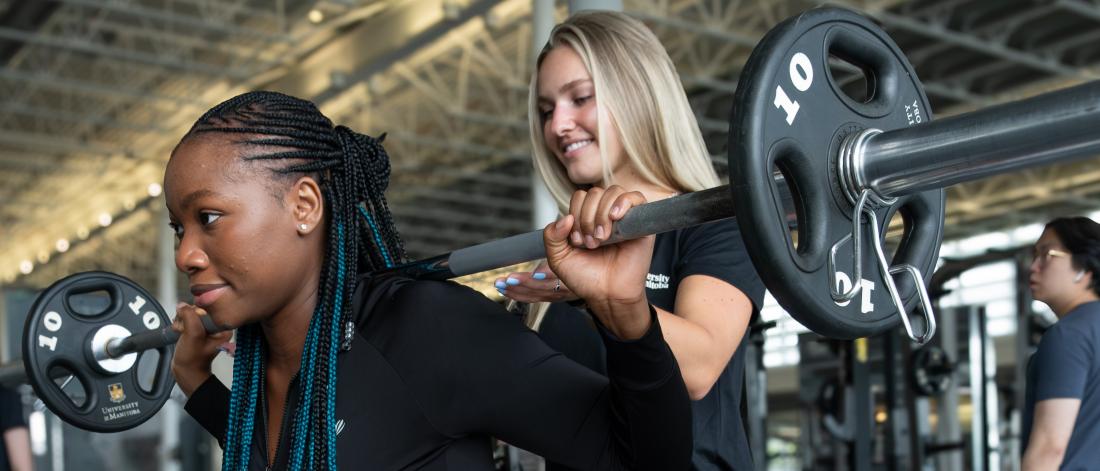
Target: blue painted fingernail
(501,291)
(500,284)
(512,281)
(539,276)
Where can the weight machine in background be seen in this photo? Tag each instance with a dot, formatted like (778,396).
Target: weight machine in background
(942,406)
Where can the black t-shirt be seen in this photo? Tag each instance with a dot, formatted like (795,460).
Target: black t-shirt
(436,369)
(11,416)
(1067,366)
(714,249)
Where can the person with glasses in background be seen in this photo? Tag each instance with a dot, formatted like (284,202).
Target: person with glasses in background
(1062,403)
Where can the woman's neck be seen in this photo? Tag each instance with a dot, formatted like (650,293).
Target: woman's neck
(285,332)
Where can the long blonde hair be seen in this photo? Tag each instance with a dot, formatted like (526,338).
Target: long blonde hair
(638,96)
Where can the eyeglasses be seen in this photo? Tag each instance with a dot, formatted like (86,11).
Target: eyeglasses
(1045,257)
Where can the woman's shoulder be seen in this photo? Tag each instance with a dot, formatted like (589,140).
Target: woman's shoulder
(434,295)
(720,238)
(722,230)
(423,302)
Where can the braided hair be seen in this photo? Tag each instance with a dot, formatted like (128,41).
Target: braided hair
(352,170)
(1081,236)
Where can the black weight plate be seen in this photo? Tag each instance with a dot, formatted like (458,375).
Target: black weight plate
(932,370)
(789,68)
(58,335)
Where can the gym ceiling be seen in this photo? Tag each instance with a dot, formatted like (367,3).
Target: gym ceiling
(96,93)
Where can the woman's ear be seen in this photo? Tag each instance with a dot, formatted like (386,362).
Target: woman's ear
(307,205)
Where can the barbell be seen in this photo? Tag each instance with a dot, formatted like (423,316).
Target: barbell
(846,164)
(82,340)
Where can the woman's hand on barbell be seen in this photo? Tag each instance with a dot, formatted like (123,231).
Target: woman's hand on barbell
(195,349)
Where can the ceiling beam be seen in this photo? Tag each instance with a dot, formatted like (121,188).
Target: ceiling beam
(196,24)
(87,46)
(90,88)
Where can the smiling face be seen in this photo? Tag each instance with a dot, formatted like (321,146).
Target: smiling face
(240,246)
(569,113)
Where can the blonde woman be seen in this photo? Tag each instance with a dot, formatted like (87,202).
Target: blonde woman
(608,116)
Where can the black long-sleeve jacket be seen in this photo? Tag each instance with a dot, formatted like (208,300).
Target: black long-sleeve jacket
(436,369)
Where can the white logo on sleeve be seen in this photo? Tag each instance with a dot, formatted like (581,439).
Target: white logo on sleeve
(657,281)
(340,426)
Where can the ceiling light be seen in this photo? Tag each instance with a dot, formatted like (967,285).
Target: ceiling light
(62,245)
(43,256)
(316,16)
(155,189)
(26,267)
(105,219)
(82,232)
(129,204)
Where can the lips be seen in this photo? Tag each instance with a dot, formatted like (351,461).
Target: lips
(206,294)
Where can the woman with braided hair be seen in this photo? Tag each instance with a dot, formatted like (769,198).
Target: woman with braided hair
(1062,402)
(282,226)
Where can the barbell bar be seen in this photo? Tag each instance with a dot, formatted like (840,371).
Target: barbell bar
(956,150)
(15,373)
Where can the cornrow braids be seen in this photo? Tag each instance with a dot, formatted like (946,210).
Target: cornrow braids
(353,170)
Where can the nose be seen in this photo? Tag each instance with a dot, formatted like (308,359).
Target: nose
(190,257)
(562,120)
(1036,265)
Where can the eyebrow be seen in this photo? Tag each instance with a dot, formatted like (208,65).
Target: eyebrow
(1045,247)
(569,85)
(195,195)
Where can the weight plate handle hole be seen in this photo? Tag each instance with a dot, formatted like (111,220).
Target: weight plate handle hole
(852,78)
(90,303)
(70,386)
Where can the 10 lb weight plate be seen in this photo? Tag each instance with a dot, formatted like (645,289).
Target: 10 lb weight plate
(64,341)
(791,114)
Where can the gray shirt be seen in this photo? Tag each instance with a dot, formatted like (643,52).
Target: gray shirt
(1067,366)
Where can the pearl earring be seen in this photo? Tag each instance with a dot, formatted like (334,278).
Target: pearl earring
(302,227)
